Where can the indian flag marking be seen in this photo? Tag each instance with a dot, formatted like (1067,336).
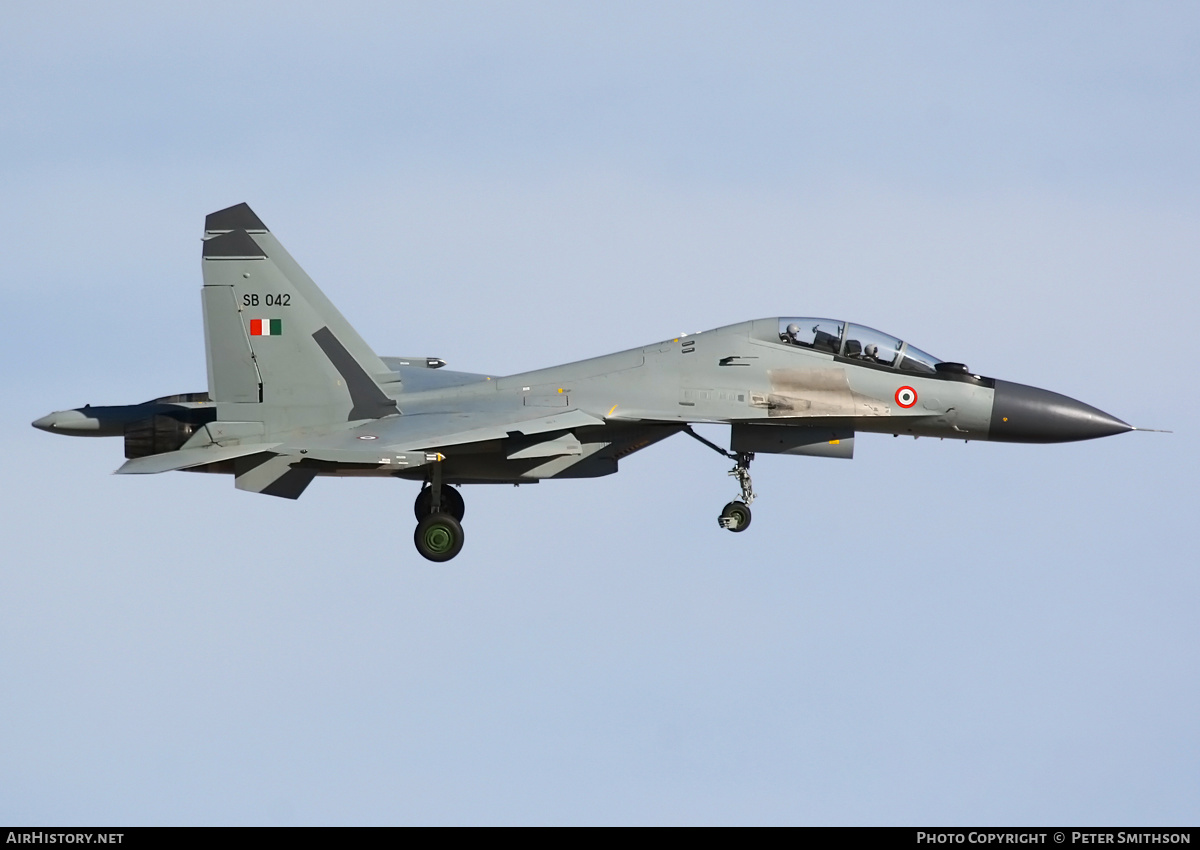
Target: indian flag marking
(266,327)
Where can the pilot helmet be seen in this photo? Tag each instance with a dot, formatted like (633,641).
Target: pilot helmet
(793,330)
(871,350)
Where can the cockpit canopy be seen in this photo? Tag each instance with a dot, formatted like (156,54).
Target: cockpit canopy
(856,342)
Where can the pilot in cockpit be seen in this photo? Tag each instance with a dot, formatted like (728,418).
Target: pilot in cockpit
(871,353)
(793,332)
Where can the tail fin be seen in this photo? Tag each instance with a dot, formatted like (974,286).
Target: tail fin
(273,338)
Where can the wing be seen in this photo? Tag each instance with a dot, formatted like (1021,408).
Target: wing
(445,430)
(407,439)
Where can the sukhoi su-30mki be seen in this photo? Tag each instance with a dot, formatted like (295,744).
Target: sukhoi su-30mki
(294,393)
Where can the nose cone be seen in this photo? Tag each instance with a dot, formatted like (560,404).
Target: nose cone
(46,423)
(1022,414)
(67,422)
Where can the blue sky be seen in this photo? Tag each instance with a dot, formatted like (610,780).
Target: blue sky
(934,633)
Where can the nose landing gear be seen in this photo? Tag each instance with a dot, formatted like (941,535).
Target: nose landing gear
(736,515)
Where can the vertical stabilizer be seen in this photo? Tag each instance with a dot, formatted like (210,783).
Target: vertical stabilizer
(273,338)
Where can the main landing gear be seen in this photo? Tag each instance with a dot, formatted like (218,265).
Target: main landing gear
(439,537)
(452,503)
(439,509)
(736,515)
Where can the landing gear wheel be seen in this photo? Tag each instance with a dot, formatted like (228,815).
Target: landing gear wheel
(735,516)
(438,537)
(452,503)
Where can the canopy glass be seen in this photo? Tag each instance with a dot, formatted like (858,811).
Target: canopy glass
(855,342)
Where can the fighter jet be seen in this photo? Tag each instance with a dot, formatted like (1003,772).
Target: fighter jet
(294,393)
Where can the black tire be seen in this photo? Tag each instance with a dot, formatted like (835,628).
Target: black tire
(438,537)
(452,503)
(739,512)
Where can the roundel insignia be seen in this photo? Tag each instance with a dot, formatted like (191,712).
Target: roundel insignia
(906,397)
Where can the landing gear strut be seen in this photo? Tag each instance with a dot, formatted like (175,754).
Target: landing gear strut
(736,515)
(742,473)
(439,509)
(452,503)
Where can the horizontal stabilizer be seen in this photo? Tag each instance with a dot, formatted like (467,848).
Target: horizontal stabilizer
(271,476)
(187,458)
